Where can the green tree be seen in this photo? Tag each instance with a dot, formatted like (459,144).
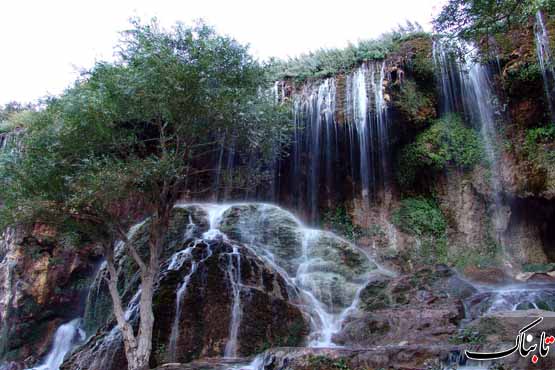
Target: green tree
(476,20)
(130,134)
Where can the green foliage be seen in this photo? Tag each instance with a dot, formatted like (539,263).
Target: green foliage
(539,149)
(16,120)
(420,216)
(328,62)
(474,20)
(482,256)
(416,105)
(467,335)
(541,134)
(130,133)
(446,142)
(340,222)
(326,363)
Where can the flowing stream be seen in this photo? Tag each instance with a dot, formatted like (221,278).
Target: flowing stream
(66,338)
(328,291)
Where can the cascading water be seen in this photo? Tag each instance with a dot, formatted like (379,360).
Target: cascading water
(466,88)
(66,338)
(340,128)
(10,142)
(450,74)
(308,264)
(178,302)
(326,291)
(234,273)
(481,109)
(513,297)
(340,124)
(543,51)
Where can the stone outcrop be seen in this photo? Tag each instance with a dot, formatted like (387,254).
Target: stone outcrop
(209,278)
(422,308)
(43,284)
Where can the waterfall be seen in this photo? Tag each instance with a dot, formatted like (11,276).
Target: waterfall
(340,124)
(466,88)
(545,60)
(11,142)
(306,259)
(214,213)
(450,75)
(177,261)
(66,338)
(234,273)
(480,107)
(328,292)
(359,126)
(340,129)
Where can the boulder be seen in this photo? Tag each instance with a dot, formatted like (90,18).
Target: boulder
(215,272)
(421,308)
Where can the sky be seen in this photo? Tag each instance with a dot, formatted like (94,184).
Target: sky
(45,43)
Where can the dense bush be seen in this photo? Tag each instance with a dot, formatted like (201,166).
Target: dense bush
(420,216)
(537,145)
(339,221)
(447,142)
(416,106)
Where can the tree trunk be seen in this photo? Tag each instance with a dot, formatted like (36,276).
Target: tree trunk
(129,340)
(138,347)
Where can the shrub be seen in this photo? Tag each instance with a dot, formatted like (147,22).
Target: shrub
(416,106)
(421,217)
(538,135)
(447,142)
(329,62)
(340,222)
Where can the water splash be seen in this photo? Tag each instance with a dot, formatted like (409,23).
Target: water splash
(307,260)
(66,338)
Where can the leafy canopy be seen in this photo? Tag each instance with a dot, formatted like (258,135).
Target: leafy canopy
(472,20)
(130,134)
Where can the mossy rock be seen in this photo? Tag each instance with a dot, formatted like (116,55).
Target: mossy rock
(374,296)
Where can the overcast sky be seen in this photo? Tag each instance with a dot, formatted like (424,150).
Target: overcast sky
(44,42)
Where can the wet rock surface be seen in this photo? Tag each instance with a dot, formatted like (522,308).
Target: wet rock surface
(206,308)
(208,282)
(422,308)
(43,284)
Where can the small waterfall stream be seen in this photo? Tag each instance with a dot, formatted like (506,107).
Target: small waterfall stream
(481,108)
(543,51)
(66,338)
(234,273)
(466,89)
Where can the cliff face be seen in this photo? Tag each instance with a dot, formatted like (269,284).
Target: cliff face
(44,284)
(507,216)
(355,134)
